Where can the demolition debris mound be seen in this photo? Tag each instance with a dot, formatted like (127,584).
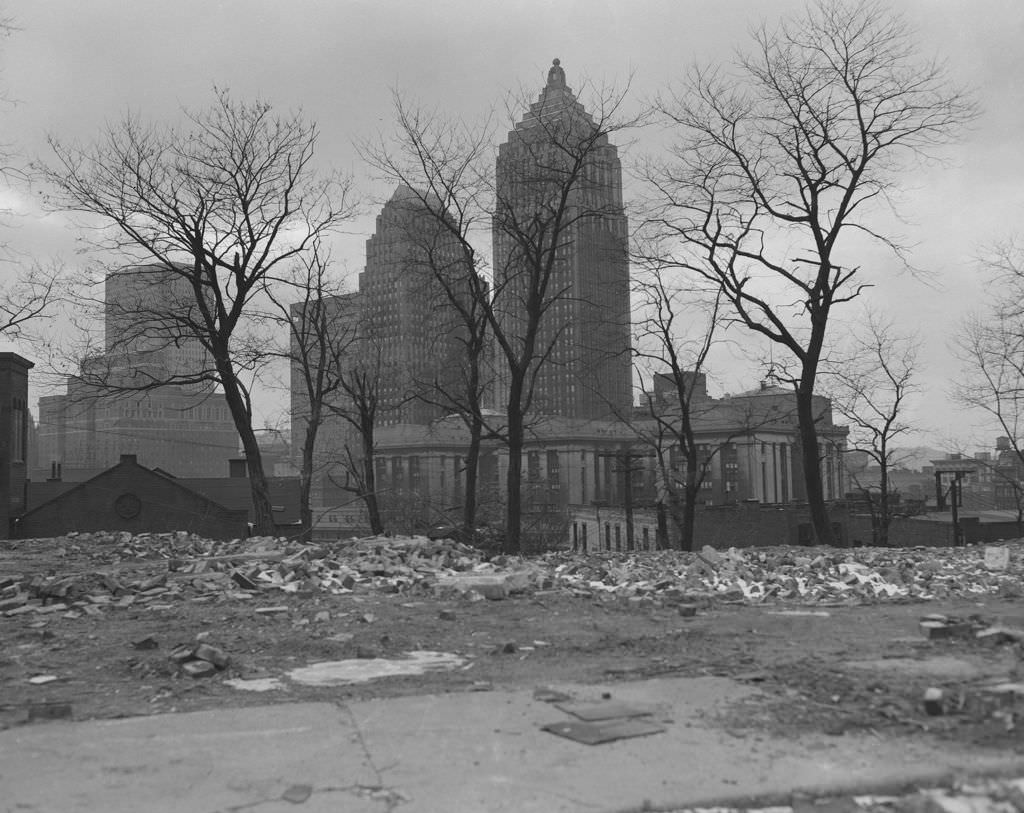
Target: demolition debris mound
(89,572)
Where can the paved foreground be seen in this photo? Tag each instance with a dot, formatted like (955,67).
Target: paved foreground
(482,751)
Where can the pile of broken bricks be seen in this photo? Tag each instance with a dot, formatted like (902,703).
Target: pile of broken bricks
(157,570)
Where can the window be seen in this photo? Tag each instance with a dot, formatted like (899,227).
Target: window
(20,427)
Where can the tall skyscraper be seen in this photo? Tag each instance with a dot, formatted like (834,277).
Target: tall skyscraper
(559,185)
(407,320)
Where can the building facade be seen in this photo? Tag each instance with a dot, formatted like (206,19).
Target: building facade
(107,410)
(407,322)
(14,436)
(560,226)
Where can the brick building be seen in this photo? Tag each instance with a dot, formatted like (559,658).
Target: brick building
(14,435)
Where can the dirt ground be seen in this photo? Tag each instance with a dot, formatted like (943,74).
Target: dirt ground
(821,668)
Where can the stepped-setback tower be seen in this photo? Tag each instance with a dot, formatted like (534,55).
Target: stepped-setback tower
(407,320)
(559,184)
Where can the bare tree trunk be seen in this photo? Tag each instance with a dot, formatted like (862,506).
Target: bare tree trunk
(514,485)
(686,534)
(370,481)
(306,477)
(262,508)
(820,521)
(883,504)
(469,504)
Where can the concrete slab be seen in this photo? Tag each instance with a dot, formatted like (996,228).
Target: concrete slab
(486,752)
(479,752)
(200,761)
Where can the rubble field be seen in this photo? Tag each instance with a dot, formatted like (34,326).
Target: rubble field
(894,642)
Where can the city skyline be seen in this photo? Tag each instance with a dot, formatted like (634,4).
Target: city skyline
(953,210)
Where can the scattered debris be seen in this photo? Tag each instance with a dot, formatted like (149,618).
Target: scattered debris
(934,627)
(266,684)
(198,669)
(149,642)
(198,569)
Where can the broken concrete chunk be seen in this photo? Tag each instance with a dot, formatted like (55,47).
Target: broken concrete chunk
(933,701)
(215,655)
(181,653)
(493,586)
(945,629)
(687,610)
(243,581)
(997,557)
(41,680)
(198,669)
(271,610)
(148,642)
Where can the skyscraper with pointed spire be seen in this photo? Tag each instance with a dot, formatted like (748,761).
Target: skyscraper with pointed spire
(561,226)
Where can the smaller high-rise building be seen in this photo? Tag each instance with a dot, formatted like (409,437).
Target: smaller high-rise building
(133,397)
(407,320)
(146,310)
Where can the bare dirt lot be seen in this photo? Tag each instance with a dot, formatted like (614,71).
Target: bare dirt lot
(90,628)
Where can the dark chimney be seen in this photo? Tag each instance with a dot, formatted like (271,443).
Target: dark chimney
(129,458)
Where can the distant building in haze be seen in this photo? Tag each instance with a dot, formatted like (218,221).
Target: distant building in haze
(109,409)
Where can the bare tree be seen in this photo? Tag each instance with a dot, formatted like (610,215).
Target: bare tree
(782,155)
(869,382)
(444,166)
(218,206)
(358,407)
(551,196)
(537,199)
(29,290)
(321,338)
(674,354)
(990,346)
(33,293)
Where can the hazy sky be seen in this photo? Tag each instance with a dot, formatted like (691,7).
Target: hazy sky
(73,66)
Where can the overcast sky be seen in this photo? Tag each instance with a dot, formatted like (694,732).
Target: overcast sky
(72,66)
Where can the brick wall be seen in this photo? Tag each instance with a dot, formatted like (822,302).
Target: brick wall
(130,497)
